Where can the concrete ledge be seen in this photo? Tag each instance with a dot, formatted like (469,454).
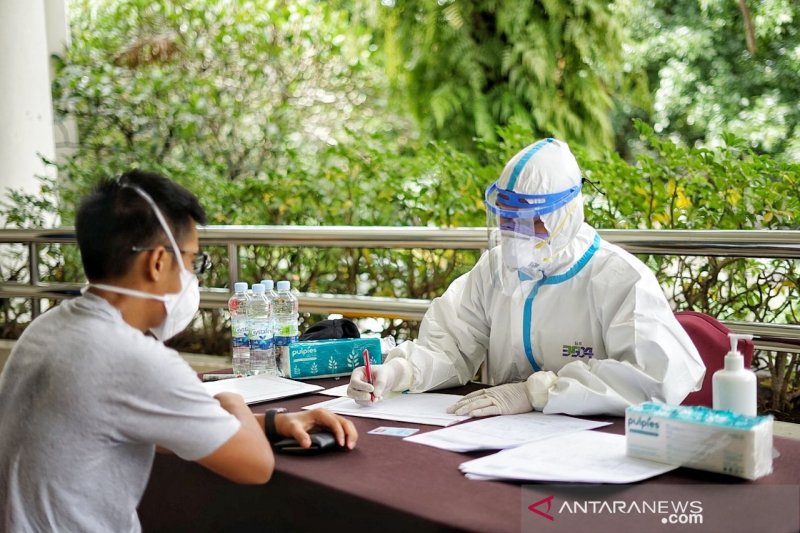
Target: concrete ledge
(5,351)
(786,429)
(206,363)
(199,362)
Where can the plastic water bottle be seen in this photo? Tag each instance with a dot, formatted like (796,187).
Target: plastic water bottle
(284,312)
(240,342)
(259,317)
(269,289)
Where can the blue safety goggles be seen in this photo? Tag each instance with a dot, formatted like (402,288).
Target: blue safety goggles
(510,204)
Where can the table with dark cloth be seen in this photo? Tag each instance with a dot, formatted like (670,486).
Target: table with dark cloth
(385,484)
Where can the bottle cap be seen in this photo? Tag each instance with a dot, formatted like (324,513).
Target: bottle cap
(268,284)
(258,288)
(240,286)
(283,285)
(735,337)
(734,360)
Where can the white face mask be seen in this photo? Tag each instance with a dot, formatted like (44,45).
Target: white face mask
(523,252)
(180,306)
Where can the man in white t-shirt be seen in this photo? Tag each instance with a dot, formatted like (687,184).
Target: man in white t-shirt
(87,395)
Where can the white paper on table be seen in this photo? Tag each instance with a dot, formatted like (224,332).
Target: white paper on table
(583,457)
(339,391)
(260,388)
(501,432)
(422,408)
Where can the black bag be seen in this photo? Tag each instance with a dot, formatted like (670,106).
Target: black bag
(337,328)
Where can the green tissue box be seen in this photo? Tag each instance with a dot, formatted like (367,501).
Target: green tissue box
(327,358)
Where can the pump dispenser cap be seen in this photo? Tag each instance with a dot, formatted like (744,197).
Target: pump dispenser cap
(734,360)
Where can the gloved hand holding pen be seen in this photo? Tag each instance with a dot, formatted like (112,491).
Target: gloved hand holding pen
(394,375)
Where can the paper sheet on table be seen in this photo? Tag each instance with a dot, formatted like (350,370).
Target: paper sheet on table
(339,391)
(423,408)
(260,388)
(501,432)
(583,457)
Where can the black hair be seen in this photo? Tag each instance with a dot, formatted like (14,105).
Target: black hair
(114,219)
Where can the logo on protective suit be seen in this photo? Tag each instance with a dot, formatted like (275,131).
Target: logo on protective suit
(577,350)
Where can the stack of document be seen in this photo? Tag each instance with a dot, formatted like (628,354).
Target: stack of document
(579,457)
(423,408)
(501,432)
(260,388)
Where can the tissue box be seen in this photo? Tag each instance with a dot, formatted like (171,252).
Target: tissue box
(327,358)
(702,438)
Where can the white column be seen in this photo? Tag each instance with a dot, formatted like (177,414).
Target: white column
(26,114)
(65,130)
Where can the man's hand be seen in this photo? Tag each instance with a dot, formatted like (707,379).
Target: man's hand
(508,399)
(297,425)
(393,375)
(230,401)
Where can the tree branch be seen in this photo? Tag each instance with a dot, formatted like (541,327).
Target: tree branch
(749,30)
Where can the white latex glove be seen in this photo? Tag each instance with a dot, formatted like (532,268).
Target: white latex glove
(508,399)
(394,375)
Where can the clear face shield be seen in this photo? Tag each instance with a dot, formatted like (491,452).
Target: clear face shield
(523,229)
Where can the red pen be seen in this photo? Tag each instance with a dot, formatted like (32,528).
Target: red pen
(368,372)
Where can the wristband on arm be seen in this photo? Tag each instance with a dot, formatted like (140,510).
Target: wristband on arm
(269,425)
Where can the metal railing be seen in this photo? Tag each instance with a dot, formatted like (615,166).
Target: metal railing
(728,243)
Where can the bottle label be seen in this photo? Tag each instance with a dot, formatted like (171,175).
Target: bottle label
(285,340)
(286,330)
(260,336)
(241,342)
(239,327)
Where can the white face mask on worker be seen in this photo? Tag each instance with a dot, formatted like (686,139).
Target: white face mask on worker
(180,306)
(524,252)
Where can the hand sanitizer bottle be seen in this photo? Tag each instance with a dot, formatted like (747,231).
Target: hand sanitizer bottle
(734,387)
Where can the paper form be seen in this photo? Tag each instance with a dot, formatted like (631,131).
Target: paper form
(501,432)
(423,408)
(260,388)
(339,391)
(583,457)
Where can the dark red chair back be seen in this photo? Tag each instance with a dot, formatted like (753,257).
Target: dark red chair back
(710,337)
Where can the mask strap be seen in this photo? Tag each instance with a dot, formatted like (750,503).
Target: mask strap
(593,184)
(126,291)
(161,220)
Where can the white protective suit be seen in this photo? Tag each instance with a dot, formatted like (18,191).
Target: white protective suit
(595,316)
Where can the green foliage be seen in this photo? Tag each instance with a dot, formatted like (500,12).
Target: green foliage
(704,81)
(467,67)
(211,92)
(675,187)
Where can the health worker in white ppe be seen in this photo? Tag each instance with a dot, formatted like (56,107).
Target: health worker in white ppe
(565,321)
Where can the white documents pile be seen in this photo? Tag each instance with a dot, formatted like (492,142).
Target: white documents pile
(501,432)
(260,388)
(423,408)
(580,457)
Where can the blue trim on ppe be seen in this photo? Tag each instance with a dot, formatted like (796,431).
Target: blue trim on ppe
(527,205)
(527,311)
(524,159)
